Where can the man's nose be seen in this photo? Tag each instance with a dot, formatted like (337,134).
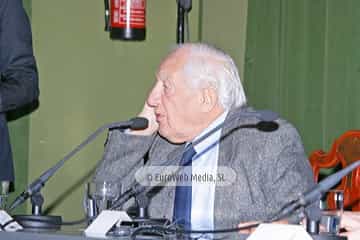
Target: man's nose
(154,97)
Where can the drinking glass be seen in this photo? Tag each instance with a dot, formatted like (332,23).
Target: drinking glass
(4,193)
(100,196)
(332,207)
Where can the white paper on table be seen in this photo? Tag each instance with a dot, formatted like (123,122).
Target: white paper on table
(105,221)
(11,227)
(279,232)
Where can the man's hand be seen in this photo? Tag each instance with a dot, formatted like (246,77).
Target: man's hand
(351,222)
(352,235)
(148,113)
(249,230)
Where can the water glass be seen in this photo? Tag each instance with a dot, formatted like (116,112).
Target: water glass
(332,207)
(101,195)
(4,193)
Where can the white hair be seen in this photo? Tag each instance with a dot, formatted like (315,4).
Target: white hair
(209,66)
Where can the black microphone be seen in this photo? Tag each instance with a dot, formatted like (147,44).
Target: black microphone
(266,124)
(316,193)
(262,126)
(35,187)
(138,123)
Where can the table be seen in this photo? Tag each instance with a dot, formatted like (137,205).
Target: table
(78,235)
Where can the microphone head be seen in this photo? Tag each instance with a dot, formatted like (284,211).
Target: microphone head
(139,123)
(267,126)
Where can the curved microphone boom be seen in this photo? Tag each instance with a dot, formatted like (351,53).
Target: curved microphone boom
(266,124)
(35,187)
(319,189)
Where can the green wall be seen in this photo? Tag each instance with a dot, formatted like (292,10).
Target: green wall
(87,80)
(223,23)
(302,60)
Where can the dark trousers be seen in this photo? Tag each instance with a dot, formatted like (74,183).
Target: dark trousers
(6,162)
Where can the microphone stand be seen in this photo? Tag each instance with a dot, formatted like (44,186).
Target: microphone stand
(107,27)
(312,225)
(266,124)
(143,202)
(37,220)
(183,7)
(314,195)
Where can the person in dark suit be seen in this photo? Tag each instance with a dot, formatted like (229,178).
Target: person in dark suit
(198,87)
(19,76)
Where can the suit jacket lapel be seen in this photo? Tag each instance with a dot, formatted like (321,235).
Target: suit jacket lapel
(226,147)
(175,157)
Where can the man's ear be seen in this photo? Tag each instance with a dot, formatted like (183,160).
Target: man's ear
(208,98)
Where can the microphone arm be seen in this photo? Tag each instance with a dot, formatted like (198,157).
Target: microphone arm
(266,124)
(316,193)
(36,186)
(267,119)
(307,198)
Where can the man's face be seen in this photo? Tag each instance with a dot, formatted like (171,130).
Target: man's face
(176,105)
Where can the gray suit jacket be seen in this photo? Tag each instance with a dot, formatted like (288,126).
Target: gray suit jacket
(271,169)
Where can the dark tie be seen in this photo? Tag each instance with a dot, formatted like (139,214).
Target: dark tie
(182,204)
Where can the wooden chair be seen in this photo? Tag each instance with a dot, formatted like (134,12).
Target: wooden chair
(345,150)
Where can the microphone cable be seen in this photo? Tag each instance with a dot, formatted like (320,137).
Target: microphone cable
(163,230)
(266,124)
(38,184)
(75,222)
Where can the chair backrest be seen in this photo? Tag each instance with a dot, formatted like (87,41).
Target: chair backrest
(344,151)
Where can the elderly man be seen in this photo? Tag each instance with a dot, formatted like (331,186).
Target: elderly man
(197,88)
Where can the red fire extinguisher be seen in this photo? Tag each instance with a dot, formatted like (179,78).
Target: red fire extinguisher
(125,19)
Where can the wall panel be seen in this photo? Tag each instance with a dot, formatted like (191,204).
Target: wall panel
(88,80)
(314,78)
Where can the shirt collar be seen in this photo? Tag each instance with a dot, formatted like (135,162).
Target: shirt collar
(201,146)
